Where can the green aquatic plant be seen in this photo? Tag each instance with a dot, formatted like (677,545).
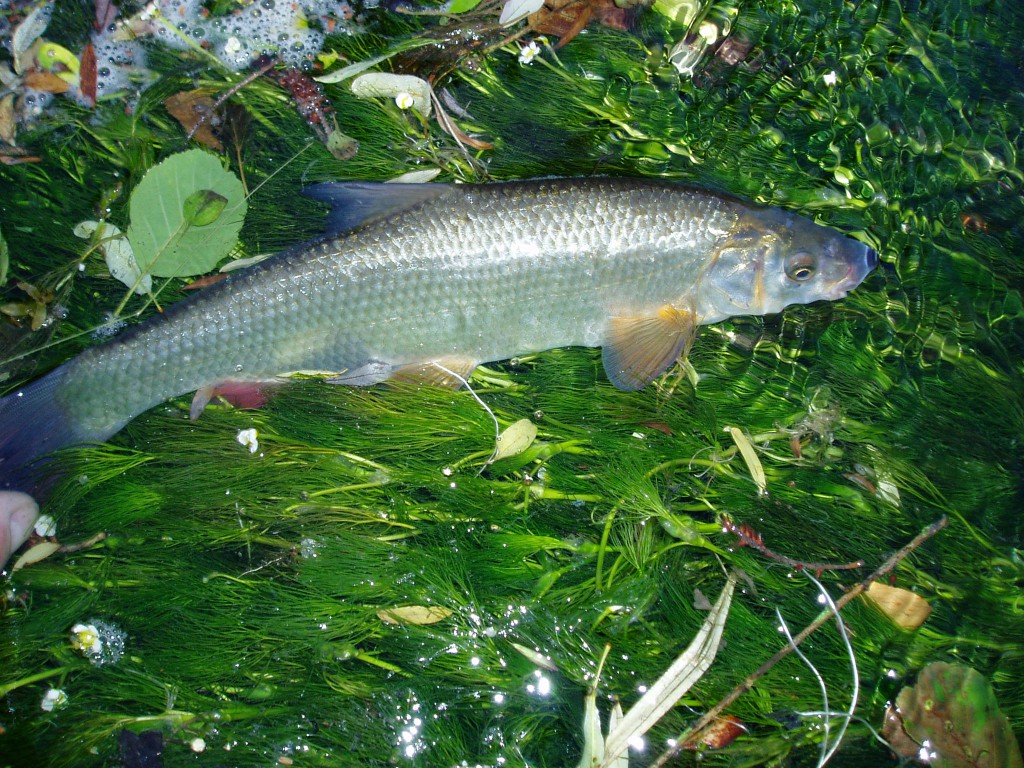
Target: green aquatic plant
(255,561)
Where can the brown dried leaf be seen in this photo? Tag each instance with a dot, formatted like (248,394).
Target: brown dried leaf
(8,123)
(193,110)
(907,609)
(87,75)
(40,80)
(720,732)
(567,18)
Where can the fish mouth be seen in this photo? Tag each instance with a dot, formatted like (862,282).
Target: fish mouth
(855,274)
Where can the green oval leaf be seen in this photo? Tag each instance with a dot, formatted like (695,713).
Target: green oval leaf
(203,207)
(176,228)
(461,6)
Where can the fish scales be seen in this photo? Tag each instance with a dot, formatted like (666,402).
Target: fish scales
(434,273)
(441,280)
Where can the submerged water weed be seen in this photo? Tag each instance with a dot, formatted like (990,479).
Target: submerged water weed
(252,588)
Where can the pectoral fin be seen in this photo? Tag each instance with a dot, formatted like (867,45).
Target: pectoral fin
(446,372)
(638,348)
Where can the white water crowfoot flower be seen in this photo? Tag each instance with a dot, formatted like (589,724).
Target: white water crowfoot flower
(249,438)
(529,52)
(99,641)
(86,638)
(45,527)
(54,699)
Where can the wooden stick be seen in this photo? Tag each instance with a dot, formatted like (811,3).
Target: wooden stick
(811,628)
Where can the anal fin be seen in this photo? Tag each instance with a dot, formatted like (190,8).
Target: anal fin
(638,348)
(445,372)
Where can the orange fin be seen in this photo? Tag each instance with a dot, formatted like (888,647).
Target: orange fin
(638,348)
(241,394)
(445,372)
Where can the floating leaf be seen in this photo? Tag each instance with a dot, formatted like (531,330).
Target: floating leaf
(27,32)
(35,554)
(515,439)
(87,76)
(203,207)
(56,58)
(514,10)
(38,80)
(118,254)
(193,109)
(415,614)
(389,86)
(341,146)
(951,712)
(907,609)
(165,242)
(720,732)
(461,6)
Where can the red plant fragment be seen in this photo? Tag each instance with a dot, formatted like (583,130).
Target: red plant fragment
(203,282)
(720,732)
(106,12)
(87,75)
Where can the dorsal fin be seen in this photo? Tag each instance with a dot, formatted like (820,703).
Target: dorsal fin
(354,203)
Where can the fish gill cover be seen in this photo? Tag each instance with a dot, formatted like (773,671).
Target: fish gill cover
(347,577)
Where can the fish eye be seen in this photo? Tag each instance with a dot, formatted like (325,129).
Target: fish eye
(801,267)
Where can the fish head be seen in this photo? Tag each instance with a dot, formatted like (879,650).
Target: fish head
(773,258)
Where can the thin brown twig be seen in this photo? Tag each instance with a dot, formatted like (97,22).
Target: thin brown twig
(748,537)
(807,631)
(261,69)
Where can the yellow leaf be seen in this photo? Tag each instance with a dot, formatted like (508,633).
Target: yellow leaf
(515,439)
(746,450)
(907,609)
(35,554)
(415,614)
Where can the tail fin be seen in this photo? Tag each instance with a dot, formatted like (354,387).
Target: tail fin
(32,425)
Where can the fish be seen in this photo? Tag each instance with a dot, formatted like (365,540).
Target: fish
(424,282)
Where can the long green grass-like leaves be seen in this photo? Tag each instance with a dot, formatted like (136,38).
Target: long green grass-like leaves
(248,589)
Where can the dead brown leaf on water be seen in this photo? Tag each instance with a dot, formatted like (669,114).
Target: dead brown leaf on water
(567,18)
(87,75)
(195,111)
(41,80)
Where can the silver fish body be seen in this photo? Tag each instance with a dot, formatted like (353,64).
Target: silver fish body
(438,278)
